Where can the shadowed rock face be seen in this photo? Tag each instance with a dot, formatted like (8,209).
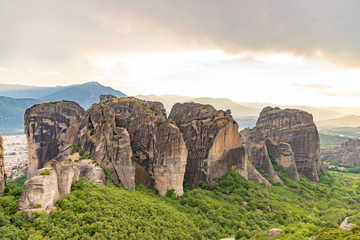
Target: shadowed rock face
(349,152)
(255,144)
(53,182)
(51,129)
(212,139)
(108,144)
(284,156)
(296,128)
(2,166)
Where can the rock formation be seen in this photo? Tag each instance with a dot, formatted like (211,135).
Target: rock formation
(254,141)
(2,166)
(108,144)
(284,156)
(51,129)
(296,128)
(274,231)
(348,153)
(157,144)
(213,142)
(53,182)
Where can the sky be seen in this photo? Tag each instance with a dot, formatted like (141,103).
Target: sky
(286,52)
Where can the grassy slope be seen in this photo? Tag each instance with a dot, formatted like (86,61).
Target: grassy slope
(302,209)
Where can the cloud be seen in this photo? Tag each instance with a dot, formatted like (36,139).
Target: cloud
(312,86)
(59,30)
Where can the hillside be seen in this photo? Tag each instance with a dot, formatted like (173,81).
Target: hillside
(233,207)
(12,114)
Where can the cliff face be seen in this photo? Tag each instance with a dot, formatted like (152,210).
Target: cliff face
(50,129)
(157,144)
(296,128)
(2,166)
(348,153)
(212,139)
(255,144)
(108,144)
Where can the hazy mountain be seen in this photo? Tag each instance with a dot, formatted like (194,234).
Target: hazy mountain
(12,113)
(346,121)
(168,100)
(85,94)
(12,110)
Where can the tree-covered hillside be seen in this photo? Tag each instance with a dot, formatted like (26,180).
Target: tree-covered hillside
(232,207)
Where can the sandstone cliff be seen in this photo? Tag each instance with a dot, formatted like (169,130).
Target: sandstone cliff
(51,129)
(296,128)
(348,153)
(213,142)
(2,166)
(254,141)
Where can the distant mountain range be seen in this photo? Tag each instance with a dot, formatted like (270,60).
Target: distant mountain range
(15,99)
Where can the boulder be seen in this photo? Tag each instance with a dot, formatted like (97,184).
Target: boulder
(254,141)
(284,156)
(51,128)
(213,142)
(2,166)
(298,129)
(348,153)
(274,231)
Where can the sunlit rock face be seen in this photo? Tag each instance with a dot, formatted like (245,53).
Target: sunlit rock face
(2,166)
(255,143)
(213,142)
(348,153)
(298,129)
(53,182)
(51,129)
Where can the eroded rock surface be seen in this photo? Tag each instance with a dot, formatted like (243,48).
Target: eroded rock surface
(2,166)
(348,153)
(53,182)
(255,144)
(298,129)
(274,231)
(108,144)
(51,129)
(213,142)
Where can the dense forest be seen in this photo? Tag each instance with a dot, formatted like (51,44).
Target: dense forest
(232,207)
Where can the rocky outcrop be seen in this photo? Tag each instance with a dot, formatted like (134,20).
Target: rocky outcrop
(348,153)
(157,143)
(296,128)
(121,132)
(2,166)
(108,144)
(255,176)
(53,182)
(284,156)
(51,129)
(254,141)
(213,142)
(105,98)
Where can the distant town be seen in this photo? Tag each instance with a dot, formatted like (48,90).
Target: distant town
(15,155)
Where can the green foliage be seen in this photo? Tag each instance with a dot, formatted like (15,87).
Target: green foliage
(46,172)
(158,123)
(100,107)
(104,120)
(231,207)
(38,205)
(19,181)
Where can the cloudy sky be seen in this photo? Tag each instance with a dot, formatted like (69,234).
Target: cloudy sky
(281,51)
